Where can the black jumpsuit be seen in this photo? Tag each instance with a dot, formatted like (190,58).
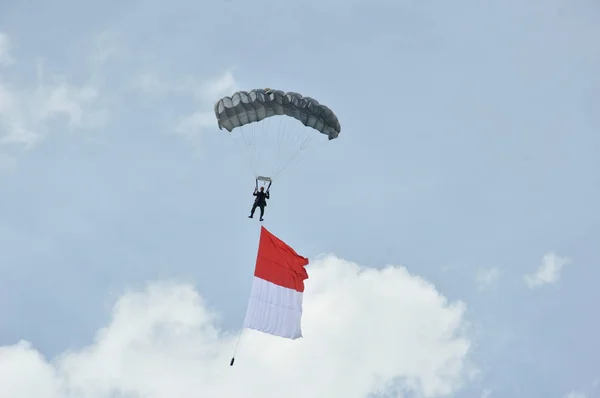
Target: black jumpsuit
(261,202)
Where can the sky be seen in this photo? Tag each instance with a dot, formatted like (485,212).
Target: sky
(452,228)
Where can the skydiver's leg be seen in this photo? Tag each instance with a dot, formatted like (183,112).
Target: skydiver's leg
(252,211)
(262,212)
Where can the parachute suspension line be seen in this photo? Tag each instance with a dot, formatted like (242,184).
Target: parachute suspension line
(280,138)
(260,142)
(304,148)
(256,147)
(248,152)
(289,145)
(279,143)
(284,140)
(266,138)
(251,142)
(248,157)
(287,138)
(262,138)
(307,139)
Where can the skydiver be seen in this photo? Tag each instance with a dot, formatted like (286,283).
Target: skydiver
(260,201)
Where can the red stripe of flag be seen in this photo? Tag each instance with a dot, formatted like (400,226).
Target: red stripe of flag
(278,263)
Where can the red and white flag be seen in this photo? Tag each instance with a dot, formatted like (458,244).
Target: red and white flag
(275,305)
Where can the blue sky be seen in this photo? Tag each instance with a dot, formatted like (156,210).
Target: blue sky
(467,162)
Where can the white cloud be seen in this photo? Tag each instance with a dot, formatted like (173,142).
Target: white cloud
(7,100)
(105,44)
(5,57)
(150,83)
(191,124)
(486,393)
(212,90)
(486,277)
(26,111)
(575,394)
(365,330)
(70,101)
(548,272)
(7,162)
(207,93)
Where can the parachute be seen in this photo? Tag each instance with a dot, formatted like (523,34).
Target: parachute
(271,149)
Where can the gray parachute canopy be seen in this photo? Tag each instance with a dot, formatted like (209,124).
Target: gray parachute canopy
(247,107)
